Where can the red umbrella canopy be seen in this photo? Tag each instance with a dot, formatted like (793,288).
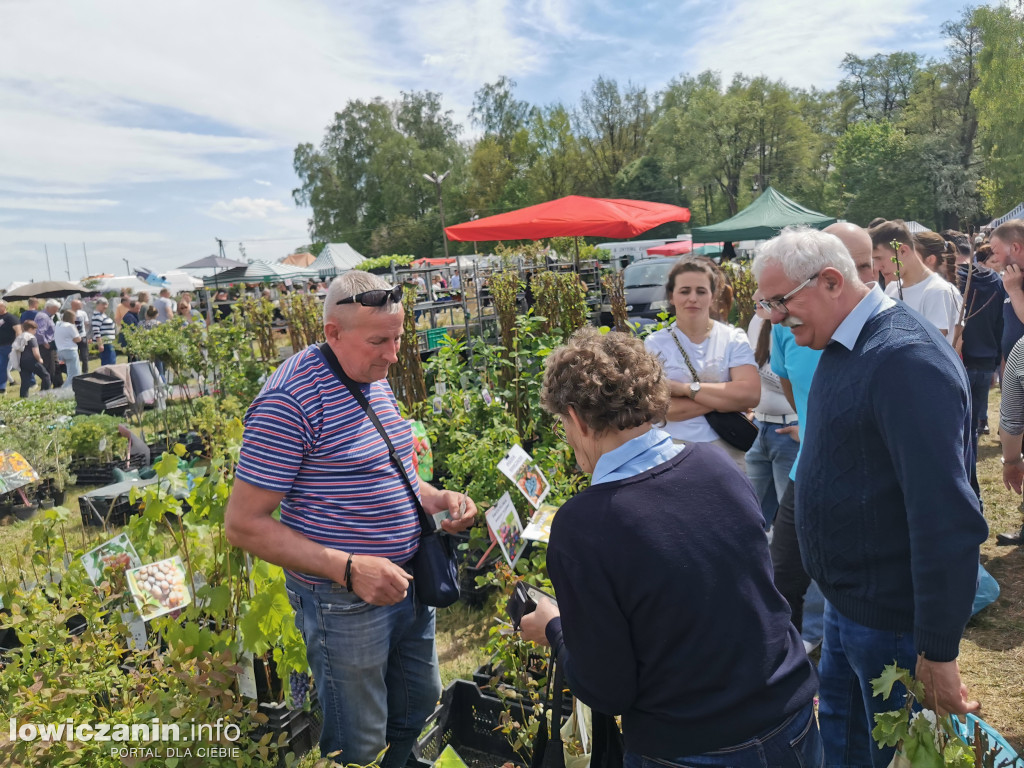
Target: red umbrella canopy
(677,248)
(571,216)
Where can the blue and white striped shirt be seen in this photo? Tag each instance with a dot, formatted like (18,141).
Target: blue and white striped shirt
(307,437)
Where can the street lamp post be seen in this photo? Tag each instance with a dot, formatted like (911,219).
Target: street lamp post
(436,180)
(128,269)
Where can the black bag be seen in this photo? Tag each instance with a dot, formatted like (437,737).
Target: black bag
(732,426)
(607,750)
(435,570)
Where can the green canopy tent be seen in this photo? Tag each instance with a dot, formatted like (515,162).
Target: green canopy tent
(762,219)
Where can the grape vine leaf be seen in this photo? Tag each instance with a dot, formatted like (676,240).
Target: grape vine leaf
(890,728)
(891,674)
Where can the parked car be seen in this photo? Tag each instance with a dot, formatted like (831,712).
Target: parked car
(644,283)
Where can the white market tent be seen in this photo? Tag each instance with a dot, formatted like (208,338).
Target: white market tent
(916,227)
(1016,213)
(15,285)
(177,281)
(258,272)
(336,258)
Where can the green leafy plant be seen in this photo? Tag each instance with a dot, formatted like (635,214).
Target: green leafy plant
(921,739)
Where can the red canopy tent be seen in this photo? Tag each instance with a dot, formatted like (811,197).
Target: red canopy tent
(436,261)
(678,248)
(571,216)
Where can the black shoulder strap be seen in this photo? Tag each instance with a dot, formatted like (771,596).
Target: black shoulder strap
(357,393)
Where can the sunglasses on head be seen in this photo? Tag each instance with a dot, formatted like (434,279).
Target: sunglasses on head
(377,298)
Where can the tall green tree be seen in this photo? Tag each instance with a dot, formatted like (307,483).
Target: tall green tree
(367,173)
(1000,116)
(611,126)
(880,85)
(500,159)
(556,172)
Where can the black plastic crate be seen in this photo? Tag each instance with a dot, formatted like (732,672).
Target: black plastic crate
(301,727)
(95,510)
(471,722)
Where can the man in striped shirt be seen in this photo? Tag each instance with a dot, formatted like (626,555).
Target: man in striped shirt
(103,332)
(348,525)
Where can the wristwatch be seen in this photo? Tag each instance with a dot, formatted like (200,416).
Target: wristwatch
(694,389)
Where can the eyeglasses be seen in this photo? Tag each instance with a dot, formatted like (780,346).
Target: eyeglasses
(560,429)
(779,305)
(376,298)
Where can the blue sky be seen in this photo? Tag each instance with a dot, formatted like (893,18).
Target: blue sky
(146,130)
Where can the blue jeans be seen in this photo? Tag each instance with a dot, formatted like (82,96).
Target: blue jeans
(794,742)
(72,365)
(768,463)
(981,382)
(107,355)
(375,670)
(853,655)
(5,359)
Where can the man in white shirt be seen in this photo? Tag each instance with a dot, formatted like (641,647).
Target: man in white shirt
(915,285)
(165,306)
(84,327)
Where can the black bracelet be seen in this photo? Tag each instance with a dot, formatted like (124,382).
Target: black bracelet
(348,573)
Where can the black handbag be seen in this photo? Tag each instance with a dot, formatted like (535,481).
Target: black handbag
(435,570)
(732,426)
(607,750)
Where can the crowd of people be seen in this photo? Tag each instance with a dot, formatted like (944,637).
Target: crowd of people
(57,341)
(683,571)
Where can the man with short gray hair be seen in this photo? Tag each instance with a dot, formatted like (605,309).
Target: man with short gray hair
(45,330)
(349,526)
(888,523)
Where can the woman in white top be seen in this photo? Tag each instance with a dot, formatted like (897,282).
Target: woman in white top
(66,336)
(918,286)
(720,355)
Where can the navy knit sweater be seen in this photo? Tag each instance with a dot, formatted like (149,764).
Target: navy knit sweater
(887,521)
(670,614)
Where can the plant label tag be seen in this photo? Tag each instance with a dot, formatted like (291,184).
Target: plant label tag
(441,388)
(438,404)
(519,467)
(246,676)
(467,403)
(103,444)
(507,529)
(486,395)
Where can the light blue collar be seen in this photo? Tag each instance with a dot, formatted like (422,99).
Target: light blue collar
(876,301)
(635,456)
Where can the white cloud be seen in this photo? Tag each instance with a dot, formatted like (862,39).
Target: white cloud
(468,43)
(56,204)
(263,183)
(86,153)
(800,41)
(244,208)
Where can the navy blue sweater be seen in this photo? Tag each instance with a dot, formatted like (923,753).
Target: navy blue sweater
(983,330)
(669,613)
(887,521)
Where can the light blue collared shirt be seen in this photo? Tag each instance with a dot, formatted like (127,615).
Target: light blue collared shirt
(635,456)
(876,301)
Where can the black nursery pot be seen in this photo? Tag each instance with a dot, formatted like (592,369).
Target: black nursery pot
(25,511)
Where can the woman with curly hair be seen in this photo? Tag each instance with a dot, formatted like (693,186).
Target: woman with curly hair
(667,612)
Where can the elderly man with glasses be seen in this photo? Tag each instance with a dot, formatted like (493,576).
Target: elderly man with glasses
(349,525)
(888,523)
